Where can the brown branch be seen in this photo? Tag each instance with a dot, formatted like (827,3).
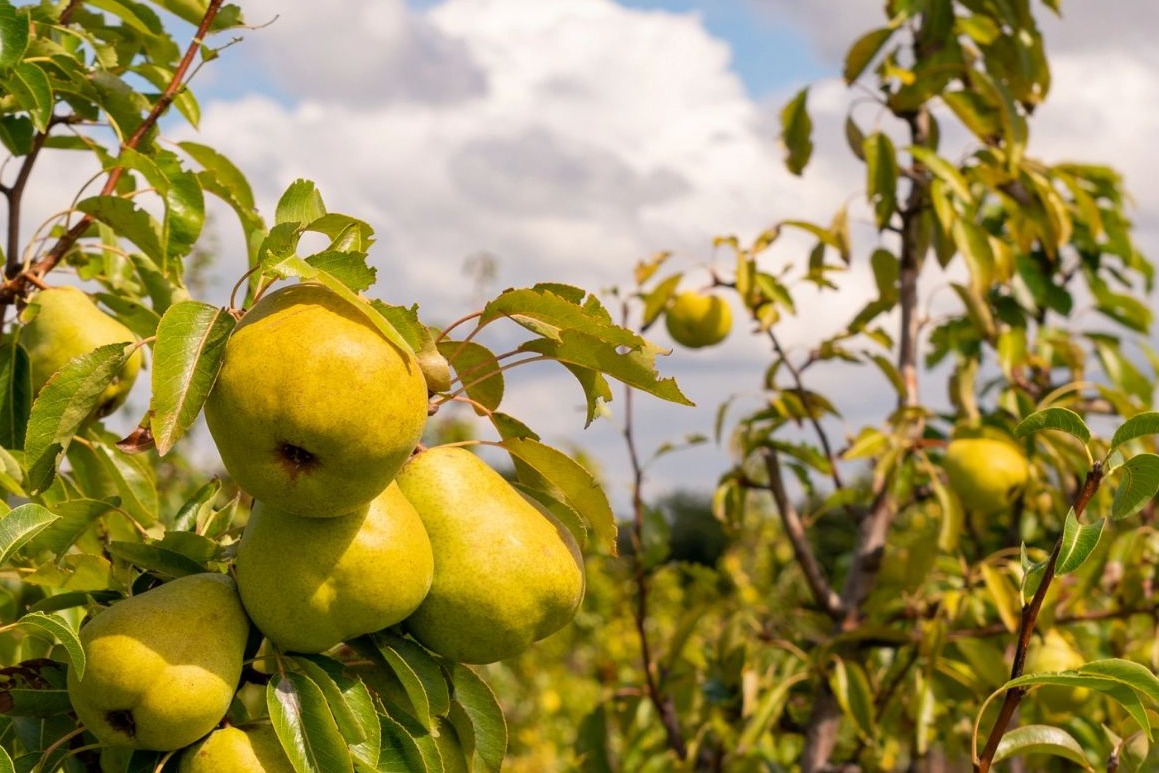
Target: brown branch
(1026,623)
(13,288)
(819,586)
(663,703)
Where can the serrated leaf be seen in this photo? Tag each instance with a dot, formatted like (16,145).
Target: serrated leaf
(548,311)
(1138,484)
(187,355)
(304,724)
(634,367)
(487,722)
(33,91)
(344,718)
(350,268)
(796,132)
(400,752)
(20,525)
(1041,739)
(1056,418)
(58,629)
(565,479)
(1146,423)
(129,221)
(1079,540)
(359,707)
(301,203)
(14,28)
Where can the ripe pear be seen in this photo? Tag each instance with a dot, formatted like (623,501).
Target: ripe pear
(697,319)
(61,323)
(1051,655)
(162,666)
(987,474)
(505,574)
(314,410)
(233,750)
(310,583)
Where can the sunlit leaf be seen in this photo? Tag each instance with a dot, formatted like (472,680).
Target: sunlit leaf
(486,717)
(305,725)
(796,132)
(20,525)
(13,35)
(862,52)
(59,630)
(1041,739)
(1139,425)
(1057,418)
(187,355)
(1079,540)
(1138,484)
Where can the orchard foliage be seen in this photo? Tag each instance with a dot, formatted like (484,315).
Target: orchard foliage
(90,518)
(863,618)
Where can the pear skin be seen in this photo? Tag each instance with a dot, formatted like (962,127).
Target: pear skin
(234,750)
(987,474)
(696,320)
(162,666)
(505,574)
(62,323)
(310,583)
(314,410)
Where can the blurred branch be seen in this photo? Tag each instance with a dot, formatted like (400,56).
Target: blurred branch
(822,591)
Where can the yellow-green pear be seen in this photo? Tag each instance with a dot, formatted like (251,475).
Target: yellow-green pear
(987,474)
(161,667)
(505,574)
(310,583)
(1048,656)
(61,323)
(234,750)
(314,410)
(697,319)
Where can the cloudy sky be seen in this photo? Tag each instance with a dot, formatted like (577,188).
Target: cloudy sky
(568,139)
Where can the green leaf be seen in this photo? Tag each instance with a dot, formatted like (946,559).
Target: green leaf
(348,724)
(944,171)
(1041,739)
(64,404)
(305,725)
(15,393)
(30,86)
(1146,423)
(974,245)
(1139,484)
(400,752)
(350,268)
(6,764)
(14,29)
(862,52)
(551,310)
(153,557)
(420,675)
(1107,684)
(59,629)
(565,479)
(485,714)
(1078,542)
(354,707)
(74,517)
(881,171)
(478,372)
(796,132)
(187,355)
(127,220)
(1057,418)
(850,686)
(634,367)
(1134,675)
(301,204)
(20,525)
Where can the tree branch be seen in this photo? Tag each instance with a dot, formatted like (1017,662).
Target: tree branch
(822,591)
(14,287)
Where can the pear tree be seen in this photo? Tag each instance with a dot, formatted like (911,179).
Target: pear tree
(298,609)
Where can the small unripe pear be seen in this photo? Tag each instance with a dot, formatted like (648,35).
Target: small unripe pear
(1049,656)
(988,475)
(62,323)
(697,319)
(233,750)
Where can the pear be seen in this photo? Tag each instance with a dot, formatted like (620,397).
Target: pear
(310,583)
(697,319)
(61,323)
(987,474)
(233,750)
(1048,656)
(314,410)
(162,666)
(505,574)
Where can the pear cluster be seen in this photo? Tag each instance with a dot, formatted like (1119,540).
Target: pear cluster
(318,416)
